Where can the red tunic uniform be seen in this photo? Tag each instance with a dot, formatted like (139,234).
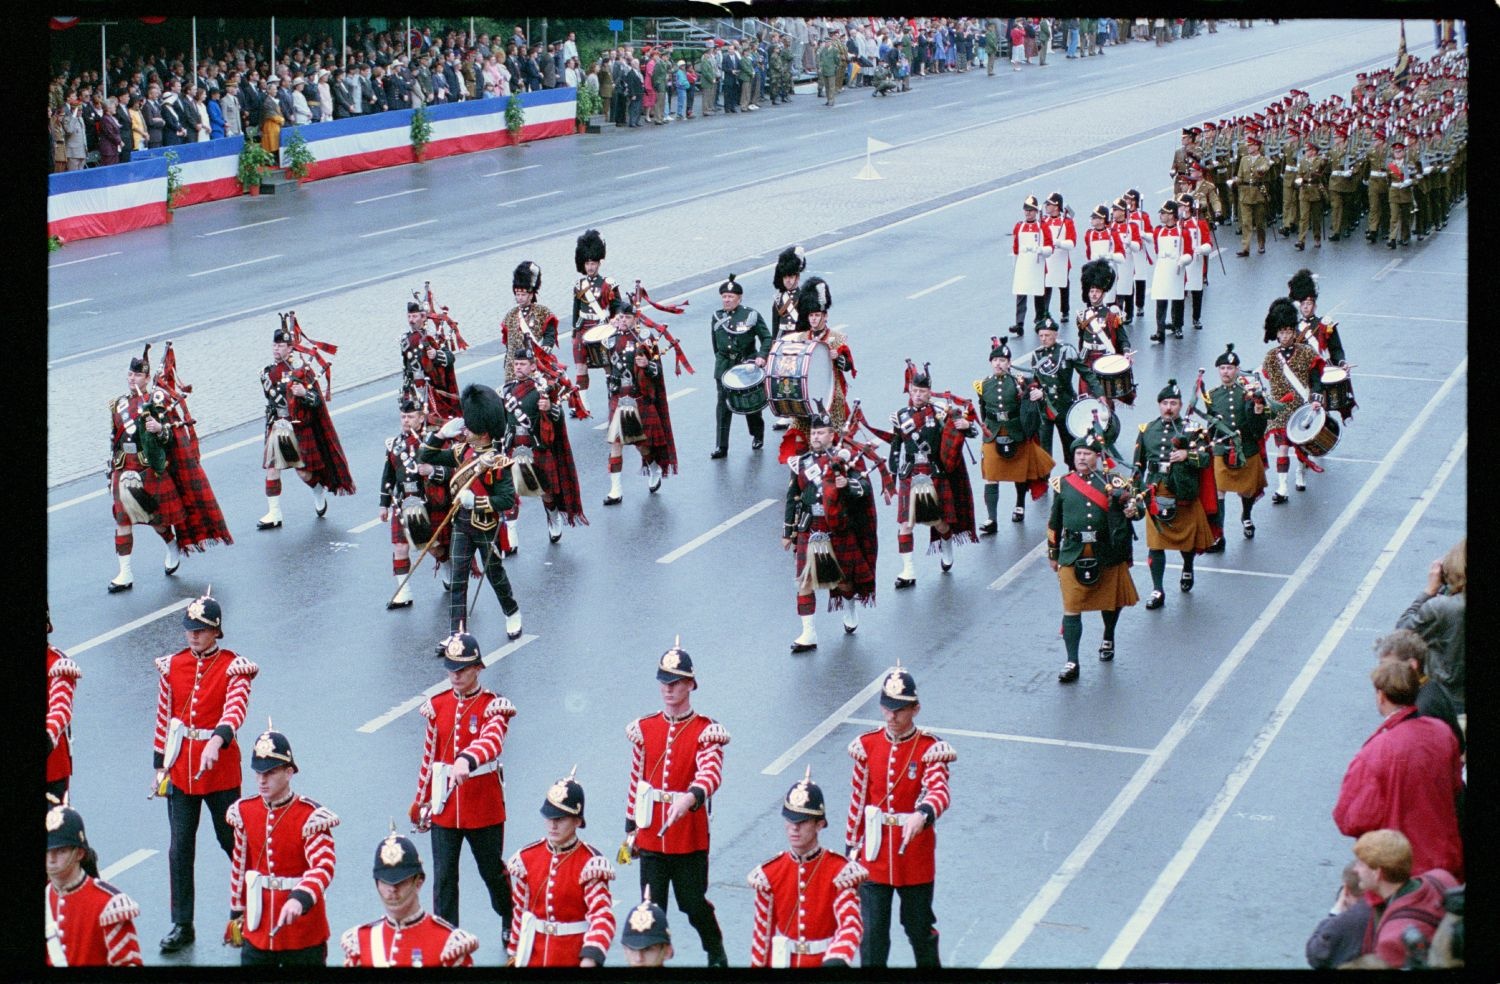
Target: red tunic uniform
(426,941)
(1141,223)
(1103,244)
(809,907)
(672,757)
(474,727)
(291,850)
(897,778)
(207,694)
(562,904)
(62,678)
(93,924)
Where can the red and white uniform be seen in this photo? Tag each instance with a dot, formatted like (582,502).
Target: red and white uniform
(897,778)
(1141,223)
(291,849)
(93,925)
(562,904)
(125,417)
(474,727)
(1103,244)
(806,908)
(1129,238)
(206,694)
(62,679)
(1064,237)
(673,757)
(1196,236)
(1173,253)
(425,941)
(1030,243)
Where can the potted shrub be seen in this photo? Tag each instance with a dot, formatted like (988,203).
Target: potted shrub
(421,132)
(298,157)
(54,243)
(174,182)
(515,117)
(589,105)
(253,160)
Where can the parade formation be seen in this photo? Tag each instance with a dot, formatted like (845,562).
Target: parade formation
(469,451)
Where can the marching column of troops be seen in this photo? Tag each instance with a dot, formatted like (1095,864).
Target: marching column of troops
(455,476)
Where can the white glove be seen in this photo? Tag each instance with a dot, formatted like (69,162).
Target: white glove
(452,428)
(466,498)
(1203,249)
(1297,182)
(1183,261)
(1064,243)
(1046,250)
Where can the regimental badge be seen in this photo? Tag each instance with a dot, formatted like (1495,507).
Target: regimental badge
(264,746)
(195,610)
(1115,481)
(390,852)
(798,796)
(455,646)
(670,660)
(558,794)
(640,917)
(54,818)
(893,685)
(911,771)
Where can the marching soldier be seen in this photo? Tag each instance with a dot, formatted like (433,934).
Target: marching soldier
(1125,259)
(593,298)
(669,801)
(1294,372)
(537,442)
(1311,328)
(830,519)
(933,484)
(200,704)
(1012,451)
(1101,329)
(1378,180)
(1403,174)
(405,936)
(482,485)
(1251,177)
(638,410)
(786,282)
(1341,184)
(899,790)
(1197,238)
(1050,368)
(1169,279)
(529,322)
(1312,194)
(1169,459)
(560,890)
(89,922)
(1239,408)
(814,301)
(413,496)
(1031,244)
(1205,193)
(1184,156)
(1291,154)
(62,679)
(1089,546)
(427,366)
(646,939)
(1145,234)
(282,865)
(738,334)
(1100,241)
(806,897)
(299,430)
(460,784)
(1058,266)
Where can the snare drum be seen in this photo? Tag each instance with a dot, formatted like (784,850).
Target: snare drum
(1116,377)
(1313,429)
(1338,391)
(596,346)
(799,372)
(1081,417)
(744,388)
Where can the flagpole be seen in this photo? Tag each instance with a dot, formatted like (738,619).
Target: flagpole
(195,49)
(344,50)
(408,40)
(103,57)
(273,46)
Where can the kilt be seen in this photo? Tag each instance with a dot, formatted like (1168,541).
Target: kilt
(1030,462)
(1248,480)
(945,499)
(658,446)
(1189,529)
(856,557)
(169,511)
(439,550)
(202,520)
(1115,589)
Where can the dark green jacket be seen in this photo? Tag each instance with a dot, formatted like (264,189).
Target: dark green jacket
(1075,518)
(1153,448)
(1006,411)
(738,336)
(1233,406)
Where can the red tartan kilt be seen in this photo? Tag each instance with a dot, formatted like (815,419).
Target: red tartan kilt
(169,511)
(307,447)
(945,499)
(578,358)
(545,463)
(851,556)
(656,434)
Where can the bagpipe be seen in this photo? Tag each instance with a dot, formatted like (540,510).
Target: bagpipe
(637,298)
(309,346)
(446,325)
(865,450)
(1226,436)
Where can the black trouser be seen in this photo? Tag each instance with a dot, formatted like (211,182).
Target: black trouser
(182,850)
(1197,296)
(308,956)
(488,845)
(917,919)
(1062,297)
(688,876)
(1044,434)
(617,107)
(723,415)
(1162,324)
(1038,305)
(467,542)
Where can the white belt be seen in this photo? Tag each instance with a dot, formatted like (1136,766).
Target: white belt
(548,928)
(803,947)
(198,734)
(274,882)
(657,795)
(493,765)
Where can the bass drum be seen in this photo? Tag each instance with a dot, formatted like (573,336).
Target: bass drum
(1081,417)
(1313,429)
(798,373)
(744,388)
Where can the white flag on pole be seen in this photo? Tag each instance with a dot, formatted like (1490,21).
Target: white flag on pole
(872,145)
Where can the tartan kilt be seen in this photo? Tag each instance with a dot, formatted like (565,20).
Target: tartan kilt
(1030,462)
(439,549)
(559,474)
(651,407)
(1115,589)
(855,545)
(160,486)
(203,522)
(945,498)
(322,455)
(957,506)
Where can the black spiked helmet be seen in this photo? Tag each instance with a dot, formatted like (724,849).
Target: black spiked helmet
(396,859)
(792,260)
(1302,285)
(65,827)
(1097,273)
(804,801)
(646,925)
(590,247)
(565,799)
(527,276)
(1101,212)
(271,750)
(142,364)
(484,411)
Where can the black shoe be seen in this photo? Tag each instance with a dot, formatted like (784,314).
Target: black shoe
(323,511)
(1261,251)
(261,524)
(905,582)
(718,453)
(613,500)
(1249,528)
(1277,498)
(391,606)
(1301,486)
(1390,243)
(1333,237)
(716,955)
(169,571)
(1217,547)
(988,528)
(116,588)
(1197,326)
(1157,336)
(778,425)
(799,647)
(1370,236)
(1302,246)
(1176,332)
(1069,673)
(1017,330)
(1243,252)
(945,566)
(1186,584)
(1018,514)
(180,937)
(1106,650)
(1158,599)
(757,444)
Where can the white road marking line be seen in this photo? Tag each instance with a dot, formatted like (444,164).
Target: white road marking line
(928,290)
(670,397)
(1135,927)
(827,725)
(1415,379)
(636,174)
(815,133)
(947,104)
(234,266)
(104,637)
(394,194)
(490,659)
(1027,739)
(86,259)
(370,525)
(1407,317)
(704,133)
(1162,191)
(723,527)
(999,583)
(126,863)
(81,300)
(1046,897)
(1198,569)
(220,232)
(891,116)
(1355,461)
(530,198)
(1380,274)
(1430,273)
(513,170)
(742,150)
(614,150)
(402,228)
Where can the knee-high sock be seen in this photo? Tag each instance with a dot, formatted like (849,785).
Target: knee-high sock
(1072,626)
(991,499)
(400,566)
(124,543)
(1246,504)
(273,486)
(903,543)
(1021,495)
(807,604)
(1158,567)
(1110,619)
(1187,561)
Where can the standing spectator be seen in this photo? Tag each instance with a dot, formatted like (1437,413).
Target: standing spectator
(650,97)
(301,111)
(59,138)
(156,123)
(1340,937)
(324,110)
(174,128)
(730,65)
(1385,860)
(215,112)
(680,79)
(570,47)
(572,77)
(453,78)
(372,88)
(635,92)
(199,107)
(138,128)
(229,105)
(692,85)
(1437,615)
(126,124)
(708,76)
(604,84)
(339,92)
(1405,646)
(440,87)
(109,134)
(251,98)
(473,74)
(531,70)
(547,63)
(1043,39)
(1017,45)
(512,64)
(747,77)
(1407,776)
(1070,27)
(271,119)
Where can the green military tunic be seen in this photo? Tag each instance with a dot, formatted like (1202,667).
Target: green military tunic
(1082,534)
(1178,521)
(1011,454)
(738,336)
(1239,466)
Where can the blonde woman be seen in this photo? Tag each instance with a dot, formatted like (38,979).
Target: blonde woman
(1437,615)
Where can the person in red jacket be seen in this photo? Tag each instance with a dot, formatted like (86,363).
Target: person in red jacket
(1407,777)
(89,922)
(283,862)
(62,679)
(200,704)
(460,795)
(1383,859)
(560,886)
(900,789)
(405,936)
(669,798)
(806,898)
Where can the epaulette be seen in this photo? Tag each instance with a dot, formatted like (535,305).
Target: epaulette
(350,940)
(795,463)
(390,448)
(65,667)
(119,908)
(714,734)
(242,667)
(757,877)
(1144,426)
(321,819)
(597,868)
(501,706)
(633,732)
(941,751)
(514,866)
(857,747)
(163,664)
(460,943)
(850,875)
(233,818)
(427,710)
(1056,483)
(979,387)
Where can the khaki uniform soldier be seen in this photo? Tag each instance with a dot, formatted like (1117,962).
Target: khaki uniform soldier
(1312,195)
(1378,184)
(1341,184)
(1403,175)
(828,67)
(1290,158)
(1250,180)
